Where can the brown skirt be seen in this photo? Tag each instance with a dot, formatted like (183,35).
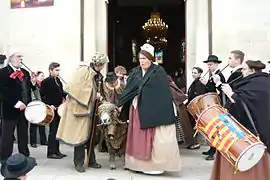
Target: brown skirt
(223,170)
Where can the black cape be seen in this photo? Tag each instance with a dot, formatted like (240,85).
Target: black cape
(154,97)
(254,90)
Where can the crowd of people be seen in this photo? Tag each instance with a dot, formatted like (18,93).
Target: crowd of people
(147,98)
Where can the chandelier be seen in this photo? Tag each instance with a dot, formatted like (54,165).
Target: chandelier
(155,30)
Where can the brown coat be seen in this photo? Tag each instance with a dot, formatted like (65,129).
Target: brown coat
(75,124)
(179,97)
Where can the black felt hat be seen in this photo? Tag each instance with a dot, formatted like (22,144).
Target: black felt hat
(2,58)
(17,165)
(212,58)
(111,77)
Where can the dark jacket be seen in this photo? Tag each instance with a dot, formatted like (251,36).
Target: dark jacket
(155,102)
(51,91)
(11,92)
(253,90)
(196,89)
(233,79)
(211,87)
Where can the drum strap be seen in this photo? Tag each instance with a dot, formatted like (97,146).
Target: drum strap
(250,117)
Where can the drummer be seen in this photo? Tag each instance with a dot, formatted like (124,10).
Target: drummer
(52,93)
(212,64)
(253,90)
(15,86)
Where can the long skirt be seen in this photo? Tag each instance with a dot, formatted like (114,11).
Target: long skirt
(151,149)
(223,170)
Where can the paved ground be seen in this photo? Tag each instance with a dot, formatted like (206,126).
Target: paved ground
(194,168)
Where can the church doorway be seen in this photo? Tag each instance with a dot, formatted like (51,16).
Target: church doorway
(126,35)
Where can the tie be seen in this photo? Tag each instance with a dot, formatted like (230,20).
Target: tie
(17,74)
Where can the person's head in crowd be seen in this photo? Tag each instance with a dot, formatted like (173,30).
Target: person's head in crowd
(196,72)
(54,69)
(236,58)
(251,67)
(146,56)
(15,60)
(212,63)
(17,166)
(120,71)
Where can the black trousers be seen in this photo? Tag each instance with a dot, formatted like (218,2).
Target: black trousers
(33,134)
(53,144)
(79,153)
(8,127)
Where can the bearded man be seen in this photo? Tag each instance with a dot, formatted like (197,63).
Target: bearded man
(77,122)
(15,88)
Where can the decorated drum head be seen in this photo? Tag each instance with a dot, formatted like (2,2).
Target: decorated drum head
(35,112)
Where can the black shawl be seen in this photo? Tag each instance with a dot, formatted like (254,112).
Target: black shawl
(254,90)
(154,96)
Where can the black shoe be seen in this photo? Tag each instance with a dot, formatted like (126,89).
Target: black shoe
(44,143)
(34,145)
(54,156)
(210,157)
(95,165)
(207,153)
(80,168)
(60,154)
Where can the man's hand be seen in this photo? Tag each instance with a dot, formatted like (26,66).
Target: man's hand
(203,80)
(22,107)
(53,107)
(99,97)
(216,79)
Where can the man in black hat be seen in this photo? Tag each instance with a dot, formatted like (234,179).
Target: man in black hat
(212,64)
(17,166)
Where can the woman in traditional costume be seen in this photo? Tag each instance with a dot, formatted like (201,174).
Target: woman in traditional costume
(151,141)
(253,90)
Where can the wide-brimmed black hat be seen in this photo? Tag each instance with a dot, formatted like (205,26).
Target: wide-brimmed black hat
(212,58)
(2,58)
(17,165)
(111,77)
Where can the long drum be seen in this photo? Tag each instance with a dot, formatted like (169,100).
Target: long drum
(37,112)
(200,103)
(237,144)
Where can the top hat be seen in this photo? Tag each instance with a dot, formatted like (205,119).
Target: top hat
(111,77)
(2,58)
(212,58)
(17,165)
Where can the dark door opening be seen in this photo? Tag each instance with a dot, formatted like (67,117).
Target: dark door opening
(125,25)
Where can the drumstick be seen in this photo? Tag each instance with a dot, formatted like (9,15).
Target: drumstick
(35,73)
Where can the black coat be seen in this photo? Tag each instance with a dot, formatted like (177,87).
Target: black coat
(11,92)
(254,91)
(51,91)
(233,79)
(196,89)
(211,87)
(155,101)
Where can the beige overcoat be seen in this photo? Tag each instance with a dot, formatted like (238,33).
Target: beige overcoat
(75,123)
